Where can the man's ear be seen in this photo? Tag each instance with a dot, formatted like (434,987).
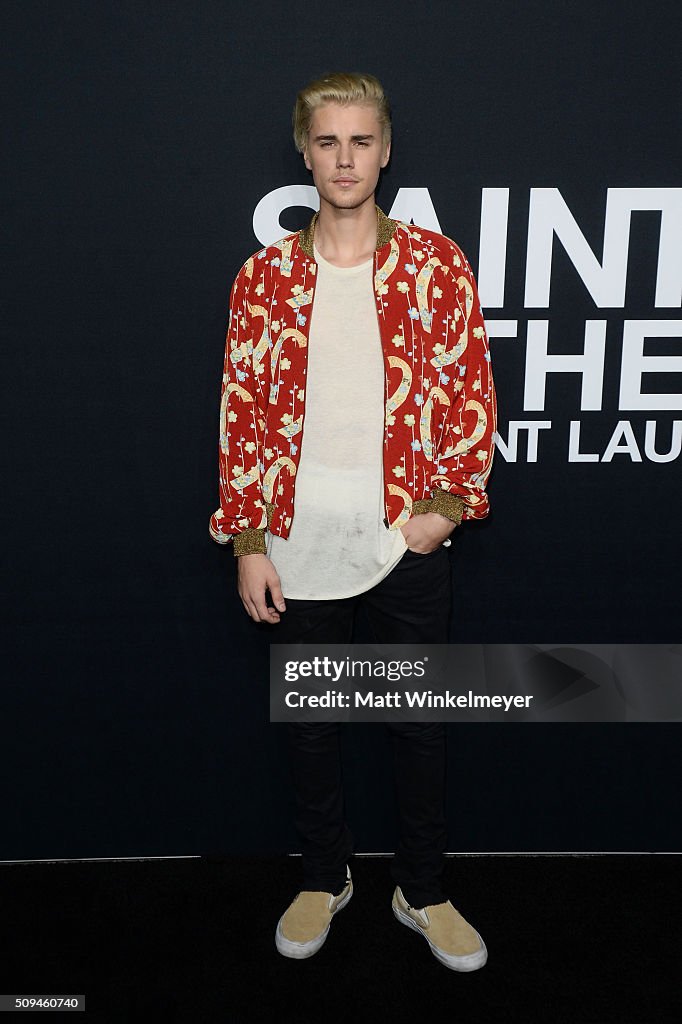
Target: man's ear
(306,160)
(386,155)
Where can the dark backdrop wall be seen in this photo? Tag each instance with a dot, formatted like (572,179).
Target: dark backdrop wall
(143,137)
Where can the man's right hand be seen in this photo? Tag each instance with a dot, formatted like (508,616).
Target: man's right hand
(256,574)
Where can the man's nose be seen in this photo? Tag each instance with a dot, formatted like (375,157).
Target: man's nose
(345,156)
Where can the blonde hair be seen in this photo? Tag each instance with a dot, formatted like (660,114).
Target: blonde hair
(341,87)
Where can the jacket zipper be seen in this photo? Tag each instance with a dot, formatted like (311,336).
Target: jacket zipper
(383,411)
(305,396)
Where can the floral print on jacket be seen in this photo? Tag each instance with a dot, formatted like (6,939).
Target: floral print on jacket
(439,395)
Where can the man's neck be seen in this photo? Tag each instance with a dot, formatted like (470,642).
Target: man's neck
(346,238)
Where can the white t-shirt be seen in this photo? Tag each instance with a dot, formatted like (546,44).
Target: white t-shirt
(338,544)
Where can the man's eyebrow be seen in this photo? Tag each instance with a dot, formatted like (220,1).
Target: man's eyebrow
(335,138)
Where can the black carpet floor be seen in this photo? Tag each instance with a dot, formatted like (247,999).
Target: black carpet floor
(579,939)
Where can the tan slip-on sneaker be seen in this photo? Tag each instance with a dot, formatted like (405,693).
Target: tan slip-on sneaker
(303,928)
(452,939)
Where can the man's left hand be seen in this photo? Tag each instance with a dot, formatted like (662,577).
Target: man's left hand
(425,532)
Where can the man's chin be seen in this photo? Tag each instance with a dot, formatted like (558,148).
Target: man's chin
(348,202)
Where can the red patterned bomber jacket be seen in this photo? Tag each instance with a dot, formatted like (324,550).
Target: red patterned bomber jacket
(438,387)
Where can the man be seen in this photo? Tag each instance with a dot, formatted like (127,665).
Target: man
(357,421)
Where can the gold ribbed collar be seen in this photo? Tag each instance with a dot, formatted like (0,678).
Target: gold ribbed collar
(385,230)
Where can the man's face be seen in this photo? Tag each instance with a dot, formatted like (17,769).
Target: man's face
(345,152)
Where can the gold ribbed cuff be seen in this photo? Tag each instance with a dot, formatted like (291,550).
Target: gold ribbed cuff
(249,542)
(451,506)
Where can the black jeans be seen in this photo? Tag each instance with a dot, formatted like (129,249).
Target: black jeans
(410,605)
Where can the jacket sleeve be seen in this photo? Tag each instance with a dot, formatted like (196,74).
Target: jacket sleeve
(241,516)
(464,448)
